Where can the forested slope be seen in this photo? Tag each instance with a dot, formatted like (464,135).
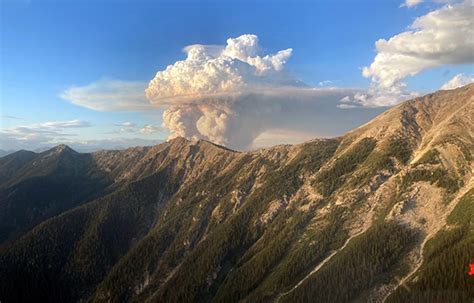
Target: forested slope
(381,213)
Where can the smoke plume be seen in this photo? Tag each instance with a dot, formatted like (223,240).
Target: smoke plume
(232,94)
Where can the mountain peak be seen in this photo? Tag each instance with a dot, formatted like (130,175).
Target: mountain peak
(205,143)
(178,140)
(62,148)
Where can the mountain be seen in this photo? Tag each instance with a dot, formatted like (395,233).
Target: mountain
(35,187)
(3,152)
(383,213)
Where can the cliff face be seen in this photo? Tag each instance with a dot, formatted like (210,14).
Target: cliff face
(381,213)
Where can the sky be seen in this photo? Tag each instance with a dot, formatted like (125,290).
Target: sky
(245,74)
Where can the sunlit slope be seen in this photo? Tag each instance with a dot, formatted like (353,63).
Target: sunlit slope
(372,215)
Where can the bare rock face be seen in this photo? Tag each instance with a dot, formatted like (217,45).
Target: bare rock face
(370,216)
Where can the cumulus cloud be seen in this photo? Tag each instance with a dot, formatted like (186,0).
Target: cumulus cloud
(109,95)
(232,94)
(443,36)
(204,74)
(458,81)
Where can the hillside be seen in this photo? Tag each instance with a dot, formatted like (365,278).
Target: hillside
(383,213)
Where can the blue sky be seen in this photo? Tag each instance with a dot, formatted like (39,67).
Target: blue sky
(49,46)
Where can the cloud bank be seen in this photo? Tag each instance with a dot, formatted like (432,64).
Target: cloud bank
(232,94)
(33,136)
(42,136)
(443,36)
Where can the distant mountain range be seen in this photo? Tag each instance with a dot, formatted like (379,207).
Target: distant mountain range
(384,213)
(93,146)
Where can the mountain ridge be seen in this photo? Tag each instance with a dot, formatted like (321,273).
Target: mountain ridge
(188,221)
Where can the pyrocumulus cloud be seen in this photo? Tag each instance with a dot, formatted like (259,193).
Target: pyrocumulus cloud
(232,94)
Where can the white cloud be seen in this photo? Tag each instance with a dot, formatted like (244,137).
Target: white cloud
(346,106)
(411,3)
(325,83)
(246,49)
(205,74)
(63,124)
(109,95)
(126,127)
(128,124)
(443,36)
(346,99)
(458,81)
(150,129)
(212,50)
